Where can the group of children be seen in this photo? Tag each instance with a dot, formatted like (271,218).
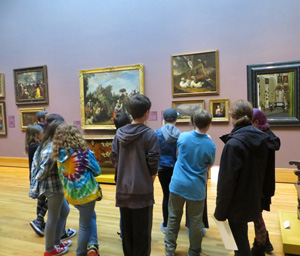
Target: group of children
(64,168)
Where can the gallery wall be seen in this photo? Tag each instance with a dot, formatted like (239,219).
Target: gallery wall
(73,35)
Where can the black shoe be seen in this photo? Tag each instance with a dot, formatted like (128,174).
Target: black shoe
(258,250)
(70,232)
(37,227)
(269,247)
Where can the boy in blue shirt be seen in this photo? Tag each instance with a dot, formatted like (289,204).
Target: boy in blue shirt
(196,153)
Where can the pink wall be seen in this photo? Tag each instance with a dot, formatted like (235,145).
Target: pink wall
(72,35)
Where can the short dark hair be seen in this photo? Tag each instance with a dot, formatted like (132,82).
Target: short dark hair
(201,118)
(139,104)
(121,119)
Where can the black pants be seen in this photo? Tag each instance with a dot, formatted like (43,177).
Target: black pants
(136,225)
(240,233)
(165,175)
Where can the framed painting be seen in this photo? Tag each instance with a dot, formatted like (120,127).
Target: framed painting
(2,86)
(2,119)
(219,110)
(27,116)
(274,89)
(186,108)
(105,92)
(31,85)
(195,73)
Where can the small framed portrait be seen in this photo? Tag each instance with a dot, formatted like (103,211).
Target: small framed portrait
(106,91)
(219,110)
(279,79)
(31,85)
(195,73)
(28,116)
(186,108)
(2,119)
(2,86)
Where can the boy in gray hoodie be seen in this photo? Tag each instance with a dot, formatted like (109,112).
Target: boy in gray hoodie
(135,154)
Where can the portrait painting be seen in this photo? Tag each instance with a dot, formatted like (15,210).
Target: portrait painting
(278,98)
(219,110)
(2,86)
(195,74)
(28,116)
(31,85)
(2,119)
(105,92)
(185,109)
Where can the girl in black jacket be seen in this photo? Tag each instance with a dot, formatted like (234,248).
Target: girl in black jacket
(241,175)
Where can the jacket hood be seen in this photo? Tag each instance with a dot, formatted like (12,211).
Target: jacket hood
(250,136)
(131,132)
(170,133)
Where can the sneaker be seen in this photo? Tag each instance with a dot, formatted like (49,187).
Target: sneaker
(57,250)
(203,231)
(162,228)
(37,227)
(67,243)
(70,232)
(93,250)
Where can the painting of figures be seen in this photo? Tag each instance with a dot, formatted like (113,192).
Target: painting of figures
(105,92)
(31,85)
(2,119)
(195,74)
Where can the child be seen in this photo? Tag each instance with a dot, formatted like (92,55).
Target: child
(262,242)
(167,137)
(120,120)
(196,153)
(34,135)
(46,182)
(135,153)
(77,168)
(242,169)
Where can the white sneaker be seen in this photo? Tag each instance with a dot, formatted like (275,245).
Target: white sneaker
(162,228)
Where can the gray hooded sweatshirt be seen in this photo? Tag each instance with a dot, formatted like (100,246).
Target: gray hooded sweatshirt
(135,154)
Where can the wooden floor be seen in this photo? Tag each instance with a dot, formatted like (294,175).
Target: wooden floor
(17,210)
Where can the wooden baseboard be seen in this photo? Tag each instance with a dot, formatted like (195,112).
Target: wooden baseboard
(282,175)
(14,162)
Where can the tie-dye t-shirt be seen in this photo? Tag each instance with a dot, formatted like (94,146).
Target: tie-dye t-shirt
(77,171)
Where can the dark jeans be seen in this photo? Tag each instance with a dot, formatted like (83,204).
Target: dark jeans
(136,230)
(239,231)
(165,175)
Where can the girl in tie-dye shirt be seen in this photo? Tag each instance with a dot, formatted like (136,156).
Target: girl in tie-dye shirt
(77,168)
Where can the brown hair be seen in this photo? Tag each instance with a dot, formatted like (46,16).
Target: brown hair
(67,136)
(242,111)
(32,132)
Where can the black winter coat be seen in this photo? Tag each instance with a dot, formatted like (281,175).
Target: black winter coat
(269,181)
(241,174)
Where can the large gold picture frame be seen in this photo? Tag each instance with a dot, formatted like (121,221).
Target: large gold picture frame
(105,92)
(28,116)
(219,110)
(195,73)
(186,108)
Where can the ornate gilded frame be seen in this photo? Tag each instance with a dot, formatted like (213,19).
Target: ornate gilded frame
(186,108)
(105,91)
(195,73)
(27,116)
(219,110)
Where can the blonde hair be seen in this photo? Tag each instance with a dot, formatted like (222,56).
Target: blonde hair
(32,132)
(242,111)
(67,136)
